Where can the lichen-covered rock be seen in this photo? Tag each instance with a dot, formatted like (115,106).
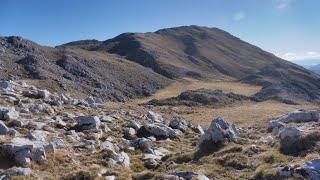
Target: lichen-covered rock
(220,131)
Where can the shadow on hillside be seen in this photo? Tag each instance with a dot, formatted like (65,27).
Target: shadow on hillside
(206,149)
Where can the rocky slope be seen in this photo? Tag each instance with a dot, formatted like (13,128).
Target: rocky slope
(76,71)
(56,136)
(207,53)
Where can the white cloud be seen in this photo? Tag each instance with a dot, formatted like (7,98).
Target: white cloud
(300,56)
(312,53)
(282,4)
(239,16)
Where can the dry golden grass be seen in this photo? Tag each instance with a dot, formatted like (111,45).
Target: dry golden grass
(178,87)
(245,113)
(248,113)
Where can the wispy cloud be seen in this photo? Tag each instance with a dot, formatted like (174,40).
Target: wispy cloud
(282,4)
(300,56)
(239,16)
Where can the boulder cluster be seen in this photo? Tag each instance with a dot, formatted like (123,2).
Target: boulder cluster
(35,124)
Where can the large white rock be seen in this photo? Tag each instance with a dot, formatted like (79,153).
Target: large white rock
(220,131)
(88,122)
(299,116)
(8,113)
(162,130)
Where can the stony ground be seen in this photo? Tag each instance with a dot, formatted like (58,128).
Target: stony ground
(55,136)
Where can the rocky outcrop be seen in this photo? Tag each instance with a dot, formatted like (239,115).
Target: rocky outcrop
(220,131)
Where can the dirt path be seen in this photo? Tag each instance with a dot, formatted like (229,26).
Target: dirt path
(178,87)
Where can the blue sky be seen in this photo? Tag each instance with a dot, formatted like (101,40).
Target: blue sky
(288,28)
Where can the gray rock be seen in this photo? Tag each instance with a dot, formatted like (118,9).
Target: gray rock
(150,163)
(155,117)
(8,113)
(220,131)
(161,130)
(129,133)
(23,150)
(37,108)
(5,85)
(286,171)
(311,169)
(43,94)
(291,139)
(198,129)
(143,144)
(179,123)
(123,159)
(110,177)
(38,135)
(275,124)
(133,124)
(299,116)
(19,171)
(4,130)
(190,175)
(93,100)
(106,119)
(88,122)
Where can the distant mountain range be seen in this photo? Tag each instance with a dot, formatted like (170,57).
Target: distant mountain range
(315,69)
(136,64)
(311,64)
